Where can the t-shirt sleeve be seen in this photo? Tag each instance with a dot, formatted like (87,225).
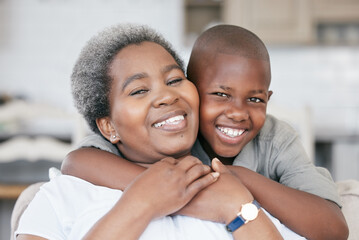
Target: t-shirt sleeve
(99,142)
(293,168)
(40,219)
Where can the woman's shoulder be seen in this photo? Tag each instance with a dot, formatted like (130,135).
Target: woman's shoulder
(65,188)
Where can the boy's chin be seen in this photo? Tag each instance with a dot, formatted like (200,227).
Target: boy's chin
(228,152)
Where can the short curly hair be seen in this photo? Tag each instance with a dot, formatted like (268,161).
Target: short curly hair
(90,80)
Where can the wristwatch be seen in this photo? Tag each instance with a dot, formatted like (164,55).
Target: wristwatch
(249,212)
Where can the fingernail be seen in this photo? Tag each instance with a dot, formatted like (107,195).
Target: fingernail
(216,160)
(215,174)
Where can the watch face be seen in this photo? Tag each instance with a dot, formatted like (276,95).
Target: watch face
(249,211)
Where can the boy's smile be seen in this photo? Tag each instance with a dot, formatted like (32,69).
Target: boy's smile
(233,95)
(154,108)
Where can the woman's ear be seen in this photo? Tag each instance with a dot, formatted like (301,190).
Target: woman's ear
(107,130)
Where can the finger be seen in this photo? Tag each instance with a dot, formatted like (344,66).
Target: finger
(218,166)
(169,160)
(188,162)
(196,172)
(201,183)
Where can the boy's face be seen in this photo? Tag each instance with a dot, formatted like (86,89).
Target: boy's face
(154,108)
(233,95)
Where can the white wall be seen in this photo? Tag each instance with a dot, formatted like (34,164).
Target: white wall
(326,79)
(41,39)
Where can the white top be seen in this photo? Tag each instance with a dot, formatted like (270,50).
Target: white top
(67,207)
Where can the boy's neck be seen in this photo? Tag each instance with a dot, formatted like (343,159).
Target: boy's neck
(211,154)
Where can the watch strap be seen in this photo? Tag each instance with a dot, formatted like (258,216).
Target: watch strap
(238,221)
(235,224)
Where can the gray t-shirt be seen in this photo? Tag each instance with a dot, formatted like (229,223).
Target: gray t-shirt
(276,153)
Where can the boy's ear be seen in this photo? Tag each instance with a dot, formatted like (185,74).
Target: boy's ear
(107,130)
(269,94)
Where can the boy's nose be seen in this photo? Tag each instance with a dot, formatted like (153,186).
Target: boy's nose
(165,97)
(237,113)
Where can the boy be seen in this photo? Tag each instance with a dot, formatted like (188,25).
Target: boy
(231,70)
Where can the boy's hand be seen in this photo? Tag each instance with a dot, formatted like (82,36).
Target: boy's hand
(220,201)
(168,185)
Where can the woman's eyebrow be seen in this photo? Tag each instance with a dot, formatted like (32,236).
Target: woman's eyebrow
(132,78)
(168,68)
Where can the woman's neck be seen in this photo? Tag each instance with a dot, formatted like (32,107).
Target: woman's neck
(147,165)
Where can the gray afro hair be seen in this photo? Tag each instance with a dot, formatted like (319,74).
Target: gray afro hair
(90,80)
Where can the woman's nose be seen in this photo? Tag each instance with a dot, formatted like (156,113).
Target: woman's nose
(237,112)
(165,96)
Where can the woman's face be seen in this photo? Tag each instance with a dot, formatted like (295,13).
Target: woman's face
(154,108)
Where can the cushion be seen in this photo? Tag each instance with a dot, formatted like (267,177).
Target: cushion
(349,194)
(21,204)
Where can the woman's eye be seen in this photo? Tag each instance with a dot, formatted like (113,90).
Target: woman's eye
(256,100)
(137,92)
(174,81)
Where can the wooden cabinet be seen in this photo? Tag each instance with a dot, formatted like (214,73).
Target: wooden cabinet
(281,21)
(344,11)
(200,14)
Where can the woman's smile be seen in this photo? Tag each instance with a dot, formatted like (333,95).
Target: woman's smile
(172,121)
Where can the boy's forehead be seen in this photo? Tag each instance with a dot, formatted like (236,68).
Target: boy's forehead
(225,62)
(221,66)
(233,46)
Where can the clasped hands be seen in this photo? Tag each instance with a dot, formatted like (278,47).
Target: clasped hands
(188,187)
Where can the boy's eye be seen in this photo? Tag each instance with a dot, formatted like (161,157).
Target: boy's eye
(138,92)
(220,94)
(174,81)
(256,100)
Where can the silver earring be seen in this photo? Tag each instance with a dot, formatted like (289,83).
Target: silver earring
(113,137)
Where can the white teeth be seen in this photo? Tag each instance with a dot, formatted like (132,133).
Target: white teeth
(231,132)
(172,120)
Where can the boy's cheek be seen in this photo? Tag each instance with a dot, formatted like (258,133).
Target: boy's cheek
(208,114)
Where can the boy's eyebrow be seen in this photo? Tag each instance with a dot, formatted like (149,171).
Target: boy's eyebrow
(224,87)
(133,78)
(258,91)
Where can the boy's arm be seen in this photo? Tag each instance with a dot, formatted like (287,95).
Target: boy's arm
(221,201)
(306,214)
(101,168)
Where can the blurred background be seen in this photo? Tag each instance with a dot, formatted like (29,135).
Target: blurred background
(313,45)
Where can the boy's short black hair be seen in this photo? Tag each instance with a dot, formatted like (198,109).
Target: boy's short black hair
(227,39)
